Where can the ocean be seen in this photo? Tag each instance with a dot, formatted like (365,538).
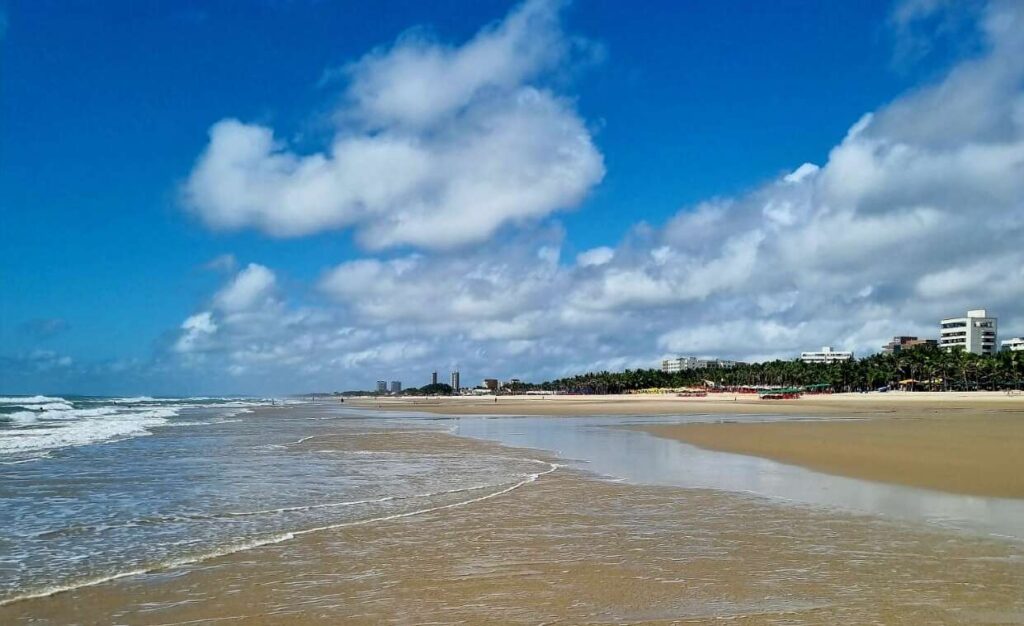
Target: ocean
(99,488)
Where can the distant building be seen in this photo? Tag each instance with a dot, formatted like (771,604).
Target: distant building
(382,386)
(1013,345)
(826,355)
(975,333)
(396,386)
(433,378)
(903,342)
(693,363)
(491,384)
(455,381)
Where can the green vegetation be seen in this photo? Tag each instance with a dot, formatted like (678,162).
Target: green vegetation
(438,389)
(930,368)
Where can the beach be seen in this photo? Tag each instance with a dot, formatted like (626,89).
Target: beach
(563,545)
(967,443)
(315,513)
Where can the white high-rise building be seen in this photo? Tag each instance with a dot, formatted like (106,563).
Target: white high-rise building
(975,333)
(826,355)
(1014,345)
(693,363)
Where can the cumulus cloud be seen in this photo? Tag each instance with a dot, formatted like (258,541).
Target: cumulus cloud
(195,329)
(494,284)
(252,286)
(917,214)
(595,256)
(437,146)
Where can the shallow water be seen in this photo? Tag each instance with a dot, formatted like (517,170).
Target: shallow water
(198,484)
(604,445)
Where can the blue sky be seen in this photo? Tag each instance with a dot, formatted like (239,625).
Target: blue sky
(110,222)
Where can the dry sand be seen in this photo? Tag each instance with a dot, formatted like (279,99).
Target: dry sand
(572,549)
(967,443)
(895,404)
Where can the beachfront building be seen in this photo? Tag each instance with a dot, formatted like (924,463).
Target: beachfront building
(898,344)
(491,384)
(455,381)
(974,333)
(382,386)
(396,386)
(433,378)
(826,355)
(693,363)
(1015,344)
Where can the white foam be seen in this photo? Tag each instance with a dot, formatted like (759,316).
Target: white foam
(27,400)
(61,429)
(50,423)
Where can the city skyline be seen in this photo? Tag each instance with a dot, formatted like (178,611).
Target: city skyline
(523,190)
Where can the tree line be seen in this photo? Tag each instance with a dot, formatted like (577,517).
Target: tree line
(927,368)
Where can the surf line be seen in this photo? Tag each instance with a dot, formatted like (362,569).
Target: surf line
(257,543)
(288,509)
(362,434)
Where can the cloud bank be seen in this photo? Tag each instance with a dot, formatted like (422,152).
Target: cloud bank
(917,214)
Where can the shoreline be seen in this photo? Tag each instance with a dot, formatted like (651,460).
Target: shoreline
(970,444)
(897,404)
(570,547)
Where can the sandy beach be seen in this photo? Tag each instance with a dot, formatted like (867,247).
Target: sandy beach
(893,404)
(968,443)
(570,548)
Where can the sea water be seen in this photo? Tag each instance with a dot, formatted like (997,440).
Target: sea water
(93,489)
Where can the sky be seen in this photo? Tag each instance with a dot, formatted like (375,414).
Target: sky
(291,196)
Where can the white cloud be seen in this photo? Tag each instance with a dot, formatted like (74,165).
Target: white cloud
(195,329)
(437,146)
(251,287)
(419,81)
(595,256)
(916,215)
(800,173)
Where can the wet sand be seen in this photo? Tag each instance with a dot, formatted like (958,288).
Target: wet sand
(966,443)
(568,547)
(974,454)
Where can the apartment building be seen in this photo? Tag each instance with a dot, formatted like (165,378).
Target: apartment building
(826,355)
(1016,344)
(976,332)
(903,342)
(693,363)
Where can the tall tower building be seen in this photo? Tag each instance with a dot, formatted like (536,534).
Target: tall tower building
(433,378)
(455,381)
